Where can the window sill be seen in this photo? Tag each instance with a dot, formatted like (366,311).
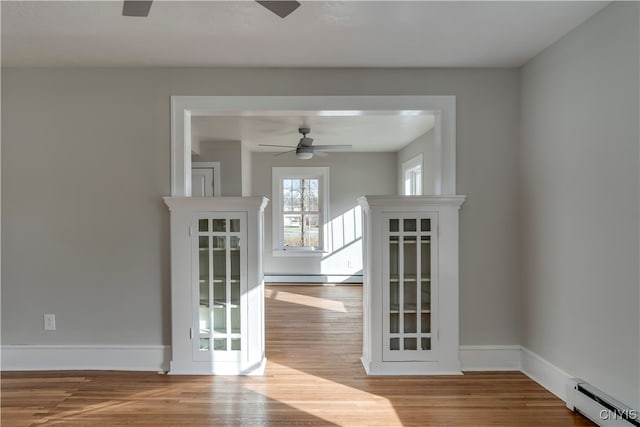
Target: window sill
(293,253)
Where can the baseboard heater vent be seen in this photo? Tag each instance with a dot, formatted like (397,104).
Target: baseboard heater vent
(599,407)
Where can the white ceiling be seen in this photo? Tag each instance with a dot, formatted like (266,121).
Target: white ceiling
(317,34)
(366,132)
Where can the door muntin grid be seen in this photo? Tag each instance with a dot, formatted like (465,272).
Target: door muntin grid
(219,272)
(409,287)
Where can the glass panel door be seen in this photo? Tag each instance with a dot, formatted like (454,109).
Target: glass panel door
(407,297)
(220,276)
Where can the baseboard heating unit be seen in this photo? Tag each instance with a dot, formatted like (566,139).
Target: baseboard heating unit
(599,407)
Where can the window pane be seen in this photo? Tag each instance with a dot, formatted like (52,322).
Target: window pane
(292,195)
(293,230)
(311,230)
(310,200)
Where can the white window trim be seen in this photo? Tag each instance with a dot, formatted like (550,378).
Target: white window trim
(411,164)
(278,173)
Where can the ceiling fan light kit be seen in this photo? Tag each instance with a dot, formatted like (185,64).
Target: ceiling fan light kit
(304,153)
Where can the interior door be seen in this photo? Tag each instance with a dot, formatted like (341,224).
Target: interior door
(202,182)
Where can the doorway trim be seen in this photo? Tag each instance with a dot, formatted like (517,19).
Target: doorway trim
(185,107)
(216,174)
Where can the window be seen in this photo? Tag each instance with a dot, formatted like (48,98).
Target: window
(300,211)
(412,176)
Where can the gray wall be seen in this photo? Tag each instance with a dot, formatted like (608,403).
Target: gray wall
(228,153)
(580,187)
(86,160)
(424,145)
(350,175)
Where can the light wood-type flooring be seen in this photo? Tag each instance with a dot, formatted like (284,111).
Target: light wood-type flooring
(313,377)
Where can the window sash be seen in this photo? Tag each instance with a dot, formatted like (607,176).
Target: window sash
(314,235)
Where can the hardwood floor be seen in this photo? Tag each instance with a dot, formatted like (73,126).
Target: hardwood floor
(313,377)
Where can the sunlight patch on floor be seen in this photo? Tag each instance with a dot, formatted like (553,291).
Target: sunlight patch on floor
(322,303)
(314,395)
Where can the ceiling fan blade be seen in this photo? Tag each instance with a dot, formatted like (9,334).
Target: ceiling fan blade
(271,145)
(285,152)
(331,147)
(319,153)
(280,8)
(136,7)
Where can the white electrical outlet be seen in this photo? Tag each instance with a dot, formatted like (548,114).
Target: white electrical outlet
(49,322)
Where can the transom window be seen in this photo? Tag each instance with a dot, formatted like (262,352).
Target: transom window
(299,209)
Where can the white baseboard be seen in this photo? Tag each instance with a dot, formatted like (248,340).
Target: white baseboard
(490,357)
(85,357)
(314,279)
(544,373)
(156,358)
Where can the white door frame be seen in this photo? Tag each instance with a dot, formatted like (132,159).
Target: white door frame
(185,107)
(216,174)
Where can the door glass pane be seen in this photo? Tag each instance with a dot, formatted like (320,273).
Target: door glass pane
(393,258)
(219,225)
(410,258)
(204,319)
(219,285)
(220,344)
(394,344)
(393,323)
(235,319)
(204,344)
(235,308)
(410,344)
(203,258)
(393,296)
(425,296)
(409,296)
(425,224)
(234,257)
(426,343)
(235,225)
(409,224)
(425,322)
(219,259)
(203,225)
(219,318)
(410,324)
(394,225)
(425,257)
(235,344)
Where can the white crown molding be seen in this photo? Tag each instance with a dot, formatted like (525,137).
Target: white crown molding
(412,201)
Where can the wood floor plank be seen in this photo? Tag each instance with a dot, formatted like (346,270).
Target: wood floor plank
(313,378)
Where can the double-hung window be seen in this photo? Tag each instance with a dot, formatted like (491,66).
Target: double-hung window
(300,208)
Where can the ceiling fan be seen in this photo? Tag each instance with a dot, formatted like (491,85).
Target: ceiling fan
(305,148)
(142,7)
